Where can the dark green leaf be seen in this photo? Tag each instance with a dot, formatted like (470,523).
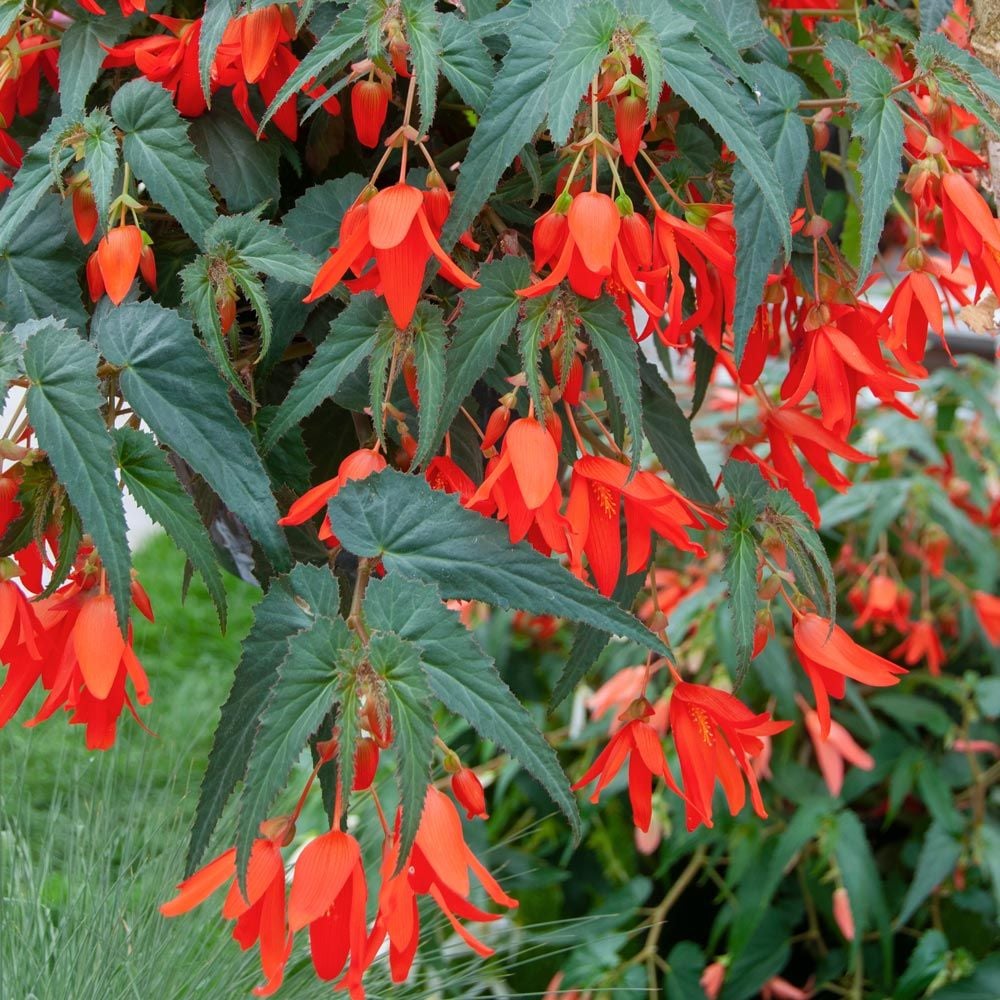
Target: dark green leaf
(740,570)
(173,386)
(466,64)
(11,363)
(151,481)
(64,407)
(398,663)
(303,693)
(429,358)
(704,365)
(962,78)
(422,35)
(483,326)
(878,125)
(529,342)
(932,13)
(577,59)
(215,20)
(101,160)
(350,341)
(157,147)
(244,169)
(618,352)
(462,676)
(261,247)
(929,958)
(314,221)
(861,878)
(379,391)
(425,534)
(983,984)
(669,434)
(286,609)
(81,52)
(758,237)
(939,854)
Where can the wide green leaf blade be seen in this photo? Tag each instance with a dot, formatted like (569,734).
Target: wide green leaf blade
(429,358)
(100,149)
(961,77)
(422,35)
(64,407)
(397,662)
(878,124)
(939,854)
(425,534)
(669,434)
(758,236)
(81,52)
(157,147)
(173,386)
(463,677)
(153,484)
(465,63)
(262,247)
(618,352)
(740,570)
(350,341)
(301,696)
(289,606)
(488,315)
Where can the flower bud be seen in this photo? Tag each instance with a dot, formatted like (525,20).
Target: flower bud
(365,763)
(468,789)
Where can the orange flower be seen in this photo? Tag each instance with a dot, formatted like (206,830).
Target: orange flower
(716,735)
(439,867)
(829,656)
(84,210)
(600,489)
(468,789)
(329,895)
(638,741)
(833,749)
(117,260)
(260,915)
(884,603)
(922,643)
(842,913)
(369,106)
(630,123)
(392,226)
(987,609)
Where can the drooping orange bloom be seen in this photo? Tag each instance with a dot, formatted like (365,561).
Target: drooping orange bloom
(170,60)
(84,209)
(829,656)
(921,643)
(842,913)
(391,226)
(329,895)
(591,241)
(260,915)
(619,691)
(358,465)
(834,749)
(112,267)
(439,867)
(883,602)
(638,741)
(599,491)
(369,106)
(987,609)
(716,735)
(468,789)
(630,123)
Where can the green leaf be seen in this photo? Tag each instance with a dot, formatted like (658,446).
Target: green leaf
(422,34)
(11,363)
(303,693)
(589,642)
(878,125)
(173,386)
(42,168)
(516,108)
(618,352)
(669,434)
(693,76)
(81,52)
(286,609)
(962,78)
(429,358)
(315,218)
(577,58)
(983,984)
(9,11)
(861,878)
(928,959)
(218,14)
(647,47)
(382,353)
(100,149)
(64,407)
(758,237)
(686,963)
(153,485)
(425,534)
(740,570)
(939,853)
(262,247)
(529,342)
(464,679)
(466,64)
(324,59)
(932,13)
(488,315)
(398,663)
(350,341)
(38,270)
(157,147)
(244,169)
